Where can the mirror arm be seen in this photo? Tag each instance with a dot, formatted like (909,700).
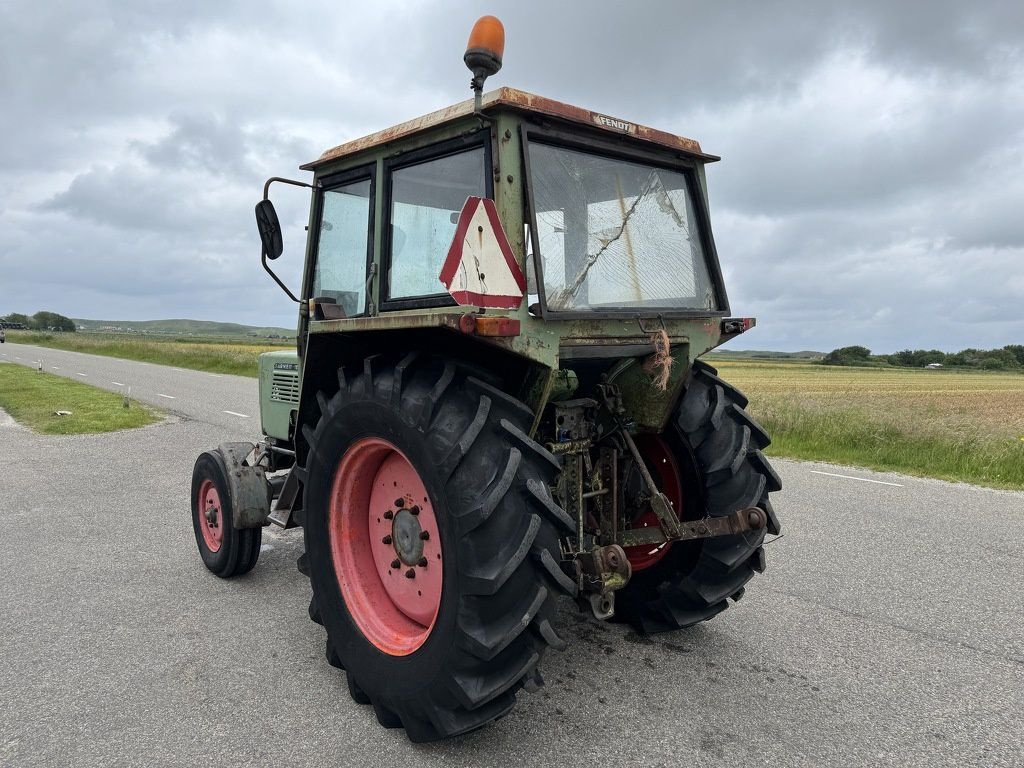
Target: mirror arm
(272,179)
(263,258)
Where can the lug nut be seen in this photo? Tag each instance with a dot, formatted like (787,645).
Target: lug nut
(410,574)
(386,540)
(396,563)
(399,503)
(422,563)
(388,515)
(414,509)
(425,535)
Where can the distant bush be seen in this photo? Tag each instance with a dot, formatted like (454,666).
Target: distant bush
(848,356)
(40,321)
(1009,358)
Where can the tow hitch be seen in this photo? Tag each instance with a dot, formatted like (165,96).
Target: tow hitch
(740,521)
(604,570)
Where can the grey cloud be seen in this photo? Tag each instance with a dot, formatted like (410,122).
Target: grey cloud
(869,193)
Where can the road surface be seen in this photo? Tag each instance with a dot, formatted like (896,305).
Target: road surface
(888,629)
(216,399)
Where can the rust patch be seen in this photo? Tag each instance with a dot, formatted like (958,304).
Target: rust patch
(515,99)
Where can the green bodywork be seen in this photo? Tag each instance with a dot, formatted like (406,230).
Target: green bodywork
(279,392)
(546,348)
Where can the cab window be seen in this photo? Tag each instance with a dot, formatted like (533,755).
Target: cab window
(343,245)
(426,196)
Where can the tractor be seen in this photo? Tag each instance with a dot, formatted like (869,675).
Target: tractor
(497,402)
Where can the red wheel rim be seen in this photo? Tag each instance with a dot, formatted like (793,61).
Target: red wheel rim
(663,468)
(386,546)
(211,516)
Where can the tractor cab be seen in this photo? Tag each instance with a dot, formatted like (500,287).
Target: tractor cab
(516,226)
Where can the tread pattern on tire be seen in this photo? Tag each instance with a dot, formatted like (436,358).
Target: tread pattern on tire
(727,445)
(506,525)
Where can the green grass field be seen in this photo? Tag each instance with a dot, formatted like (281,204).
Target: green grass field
(955,425)
(947,424)
(31,398)
(216,356)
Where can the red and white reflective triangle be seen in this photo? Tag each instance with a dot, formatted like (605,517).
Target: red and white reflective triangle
(480,269)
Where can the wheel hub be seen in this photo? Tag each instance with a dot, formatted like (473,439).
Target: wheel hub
(211,515)
(386,546)
(407,535)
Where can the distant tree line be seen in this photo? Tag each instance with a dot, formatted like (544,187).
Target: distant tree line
(40,321)
(1010,357)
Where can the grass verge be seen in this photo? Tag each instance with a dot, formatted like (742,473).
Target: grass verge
(951,425)
(234,357)
(31,398)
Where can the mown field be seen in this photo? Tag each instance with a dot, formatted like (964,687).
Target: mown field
(946,424)
(216,356)
(32,398)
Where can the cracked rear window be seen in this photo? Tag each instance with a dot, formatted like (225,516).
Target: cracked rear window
(616,234)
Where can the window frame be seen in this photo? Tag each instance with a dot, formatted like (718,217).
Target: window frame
(477,139)
(329,184)
(604,146)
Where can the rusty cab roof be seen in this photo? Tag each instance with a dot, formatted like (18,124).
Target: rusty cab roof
(522,101)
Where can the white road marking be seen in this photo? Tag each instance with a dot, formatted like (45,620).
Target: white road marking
(54,368)
(17,358)
(850,477)
(240,415)
(161,394)
(117,383)
(82,374)
(215,375)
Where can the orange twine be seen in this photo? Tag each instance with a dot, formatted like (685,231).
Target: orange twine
(659,365)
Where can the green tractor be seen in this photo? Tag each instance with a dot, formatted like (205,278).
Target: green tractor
(496,400)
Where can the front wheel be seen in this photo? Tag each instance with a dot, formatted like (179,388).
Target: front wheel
(432,544)
(227,551)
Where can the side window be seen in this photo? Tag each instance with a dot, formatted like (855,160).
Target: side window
(341,254)
(426,198)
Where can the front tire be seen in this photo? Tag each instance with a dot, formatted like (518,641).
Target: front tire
(225,550)
(452,658)
(720,447)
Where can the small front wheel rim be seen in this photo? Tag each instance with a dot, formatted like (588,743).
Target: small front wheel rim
(385,546)
(211,515)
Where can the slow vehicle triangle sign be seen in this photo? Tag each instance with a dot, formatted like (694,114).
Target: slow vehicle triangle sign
(480,269)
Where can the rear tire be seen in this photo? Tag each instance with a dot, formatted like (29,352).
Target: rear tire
(497,525)
(716,437)
(225,550)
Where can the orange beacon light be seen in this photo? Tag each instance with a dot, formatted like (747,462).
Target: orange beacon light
(484,51)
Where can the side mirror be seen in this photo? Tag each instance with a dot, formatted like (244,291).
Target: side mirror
(270,229)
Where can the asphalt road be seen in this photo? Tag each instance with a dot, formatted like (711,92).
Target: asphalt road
(887,630)
(229,402)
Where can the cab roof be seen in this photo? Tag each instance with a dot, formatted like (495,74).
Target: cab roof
(522,101)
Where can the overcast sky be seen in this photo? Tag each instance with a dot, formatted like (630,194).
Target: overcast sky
(871,189)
